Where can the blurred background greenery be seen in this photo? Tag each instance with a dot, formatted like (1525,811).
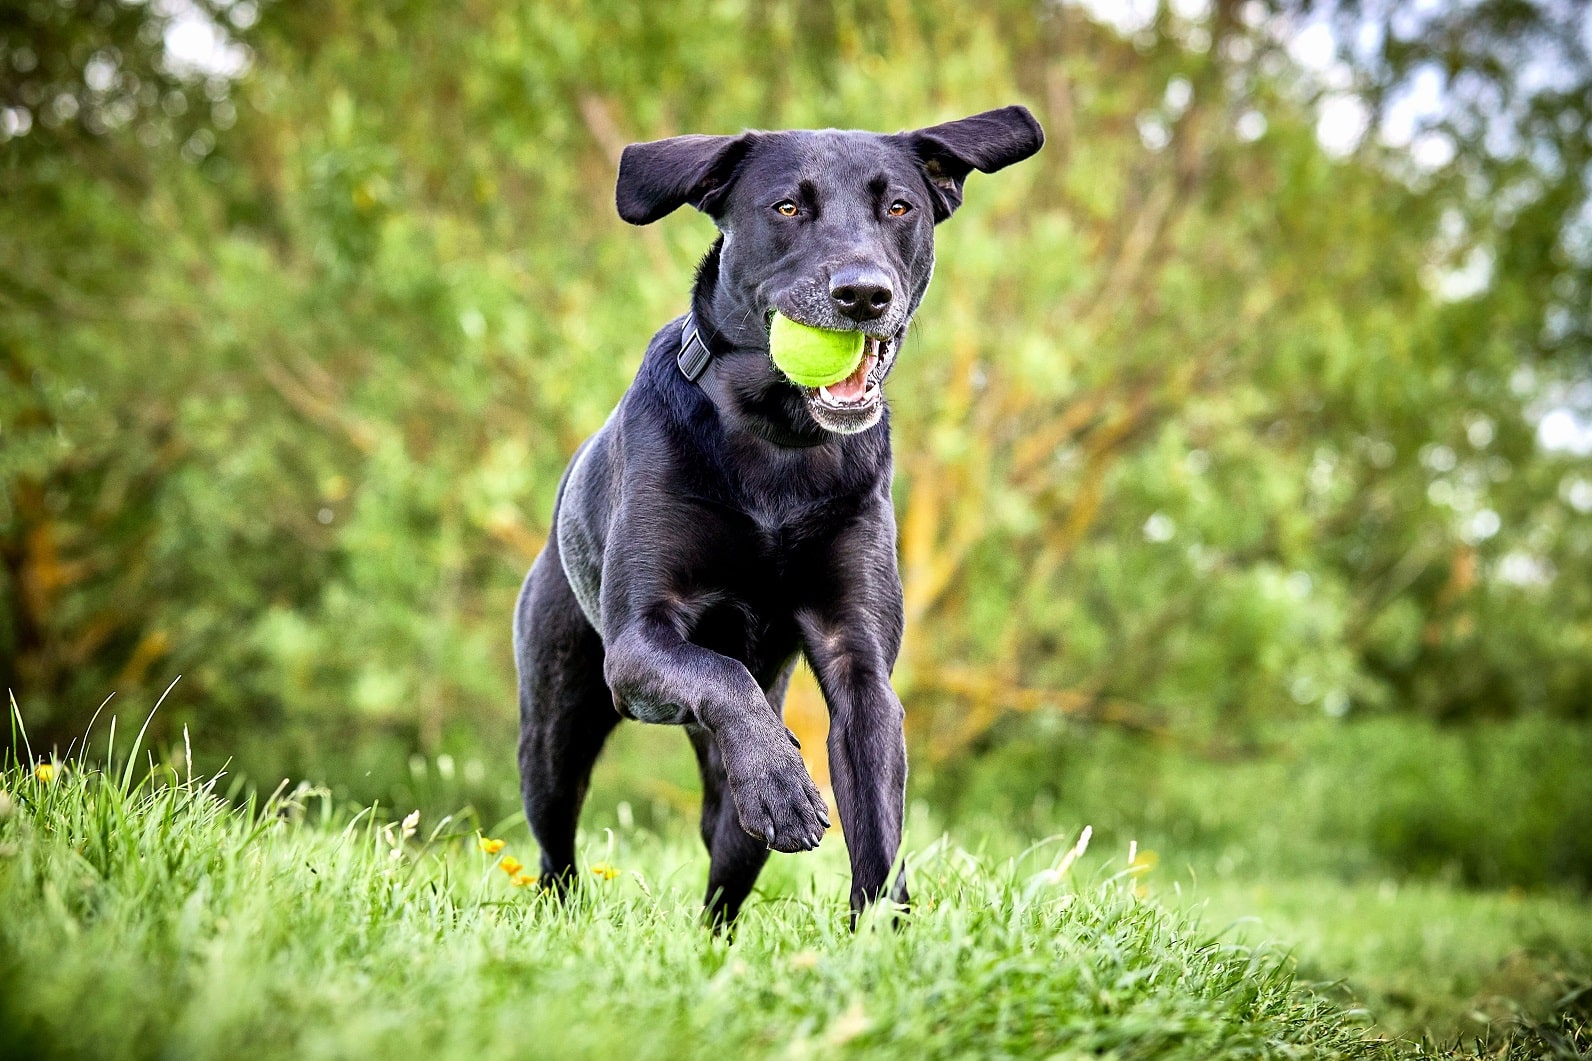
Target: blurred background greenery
(1244,442)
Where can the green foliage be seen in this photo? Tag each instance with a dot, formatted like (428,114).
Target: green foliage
(1495,804)
(1195,431)
(1489,805)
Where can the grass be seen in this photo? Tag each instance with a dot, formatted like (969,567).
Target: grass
(149,914)
(1437,875)
(199,928)
(1424,957)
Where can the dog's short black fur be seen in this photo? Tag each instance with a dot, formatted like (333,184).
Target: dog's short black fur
(713,529)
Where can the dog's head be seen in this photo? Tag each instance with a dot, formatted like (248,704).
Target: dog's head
(834,229)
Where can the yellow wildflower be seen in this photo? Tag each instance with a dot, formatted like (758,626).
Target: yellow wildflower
(1140,863)
(605,871)
(490,846)
(45,772)
(511,865)
(520,880)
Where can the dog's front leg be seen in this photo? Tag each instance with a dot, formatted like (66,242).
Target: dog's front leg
(867,755)
(868,767)
(658,676)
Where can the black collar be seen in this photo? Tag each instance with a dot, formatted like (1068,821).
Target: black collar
(694,351)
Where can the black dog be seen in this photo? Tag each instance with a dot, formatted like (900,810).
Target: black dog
(725,518)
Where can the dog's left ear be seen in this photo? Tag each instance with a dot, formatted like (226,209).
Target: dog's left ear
(985,142)
(658,177)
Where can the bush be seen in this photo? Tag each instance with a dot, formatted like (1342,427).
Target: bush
(1493,803)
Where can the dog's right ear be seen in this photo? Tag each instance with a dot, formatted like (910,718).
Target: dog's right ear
(658,177)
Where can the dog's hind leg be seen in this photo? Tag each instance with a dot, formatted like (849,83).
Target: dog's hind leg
(566,712)
(736,857)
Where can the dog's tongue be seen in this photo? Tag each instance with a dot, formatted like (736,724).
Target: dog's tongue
(853,387)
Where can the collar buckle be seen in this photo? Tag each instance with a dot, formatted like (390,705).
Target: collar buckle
(694,352)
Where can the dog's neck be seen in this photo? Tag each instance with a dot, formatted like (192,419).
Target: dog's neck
(747,391)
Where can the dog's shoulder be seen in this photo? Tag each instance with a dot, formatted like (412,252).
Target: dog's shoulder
(665,431)
(661,406)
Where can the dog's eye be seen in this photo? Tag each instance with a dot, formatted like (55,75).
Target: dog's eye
(786,208)
(900,208)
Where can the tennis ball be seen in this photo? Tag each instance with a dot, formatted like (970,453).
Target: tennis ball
(813,357)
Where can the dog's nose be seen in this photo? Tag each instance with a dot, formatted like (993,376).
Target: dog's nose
(861,292)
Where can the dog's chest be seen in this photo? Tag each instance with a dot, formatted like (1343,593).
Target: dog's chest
(750,575)
(774,545)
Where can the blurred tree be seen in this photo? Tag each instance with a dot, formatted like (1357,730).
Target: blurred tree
(1210,418)
(95,115)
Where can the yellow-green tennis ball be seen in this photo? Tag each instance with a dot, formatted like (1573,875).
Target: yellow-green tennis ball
(814,357)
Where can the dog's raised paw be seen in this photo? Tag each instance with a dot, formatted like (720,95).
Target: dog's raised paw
(775,800)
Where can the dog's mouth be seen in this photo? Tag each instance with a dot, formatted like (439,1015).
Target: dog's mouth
(862,386)
(855,403)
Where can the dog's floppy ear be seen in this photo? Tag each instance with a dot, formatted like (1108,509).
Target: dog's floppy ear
(985,142)
(658,177)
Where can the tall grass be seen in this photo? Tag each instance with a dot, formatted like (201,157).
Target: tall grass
(147,915)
